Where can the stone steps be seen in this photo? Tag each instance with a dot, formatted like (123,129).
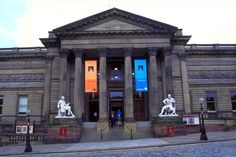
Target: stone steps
(90,134)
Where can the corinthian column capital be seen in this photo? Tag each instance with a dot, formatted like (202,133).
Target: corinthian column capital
(64,53)
(78,52)
(128,51)
(49,59)
(152,51)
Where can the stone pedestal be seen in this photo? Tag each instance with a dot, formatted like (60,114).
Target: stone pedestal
(104,126)
(63,130)
(168,126)
(130,125)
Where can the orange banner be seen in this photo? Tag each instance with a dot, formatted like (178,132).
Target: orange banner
(91,76)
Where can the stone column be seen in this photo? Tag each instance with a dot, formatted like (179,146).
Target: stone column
(78,84)
(128,103)
(163,78)
(63,73)
(168,71)
(47,87)
(154,105)
(185,86)
(129,108)
(103,110)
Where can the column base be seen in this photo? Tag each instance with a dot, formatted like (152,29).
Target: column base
(103,126)
(129,120)
(130,125)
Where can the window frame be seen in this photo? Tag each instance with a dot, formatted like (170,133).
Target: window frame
(19,105)
(215,101)
(232,101)
(116,99)
(1,105)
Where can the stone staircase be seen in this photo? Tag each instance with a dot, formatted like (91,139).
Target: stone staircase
(90,134)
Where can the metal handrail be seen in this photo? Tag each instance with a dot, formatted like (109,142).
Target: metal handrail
(131,131)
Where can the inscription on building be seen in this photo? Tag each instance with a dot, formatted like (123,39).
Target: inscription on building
(212,74)
(22,77)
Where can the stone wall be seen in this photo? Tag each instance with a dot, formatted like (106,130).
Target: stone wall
(22,72)
(211,69)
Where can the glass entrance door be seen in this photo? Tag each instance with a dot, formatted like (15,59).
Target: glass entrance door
(116,103)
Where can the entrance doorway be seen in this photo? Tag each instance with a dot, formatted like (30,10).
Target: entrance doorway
(116,103)
(93,111)
(115,107)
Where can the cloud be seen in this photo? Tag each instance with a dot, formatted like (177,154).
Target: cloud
(207,21)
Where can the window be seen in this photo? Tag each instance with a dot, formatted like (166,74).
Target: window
(23,102)
(116,73)
(116,95)
(211,101)
(233,100)
(1,104)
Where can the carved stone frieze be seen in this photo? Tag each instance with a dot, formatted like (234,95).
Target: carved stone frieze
(211,75)
(22,77)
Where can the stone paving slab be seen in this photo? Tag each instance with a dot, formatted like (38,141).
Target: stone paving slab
(127,144)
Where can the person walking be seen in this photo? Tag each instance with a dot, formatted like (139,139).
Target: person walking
(112,119)
(118,115)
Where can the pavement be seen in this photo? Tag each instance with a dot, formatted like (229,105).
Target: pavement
(118,145)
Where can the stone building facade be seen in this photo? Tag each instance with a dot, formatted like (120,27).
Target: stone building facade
(36,77)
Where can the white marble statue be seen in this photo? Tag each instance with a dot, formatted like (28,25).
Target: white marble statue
(169,107)
(64,109)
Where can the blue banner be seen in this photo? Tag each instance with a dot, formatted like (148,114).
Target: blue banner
(140,68)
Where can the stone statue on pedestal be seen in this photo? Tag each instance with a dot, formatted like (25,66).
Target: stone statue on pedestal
(169,107)
(64,109)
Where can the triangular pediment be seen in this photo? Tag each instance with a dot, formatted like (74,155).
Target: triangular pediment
(115,25)
(114,20)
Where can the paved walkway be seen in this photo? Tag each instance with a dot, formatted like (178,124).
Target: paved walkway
(115,145)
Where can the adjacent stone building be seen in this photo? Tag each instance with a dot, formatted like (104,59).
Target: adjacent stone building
(36,77)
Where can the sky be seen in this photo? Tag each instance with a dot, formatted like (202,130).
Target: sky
(23,22)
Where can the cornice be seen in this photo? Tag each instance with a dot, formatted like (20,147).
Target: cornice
(23,53)
(64,35)
(180,40)
(211,49)
(114,12)
(50,42)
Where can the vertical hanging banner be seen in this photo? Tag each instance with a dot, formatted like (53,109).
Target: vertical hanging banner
(140,68)
(91,76)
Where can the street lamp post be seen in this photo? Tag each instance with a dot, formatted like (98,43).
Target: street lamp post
(28,147)
(203,130)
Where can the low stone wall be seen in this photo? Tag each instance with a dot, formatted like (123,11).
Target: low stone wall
(212,125)
(168,126)
(63,131)
(62,134)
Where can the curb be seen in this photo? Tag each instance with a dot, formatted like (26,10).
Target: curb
(118,148)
